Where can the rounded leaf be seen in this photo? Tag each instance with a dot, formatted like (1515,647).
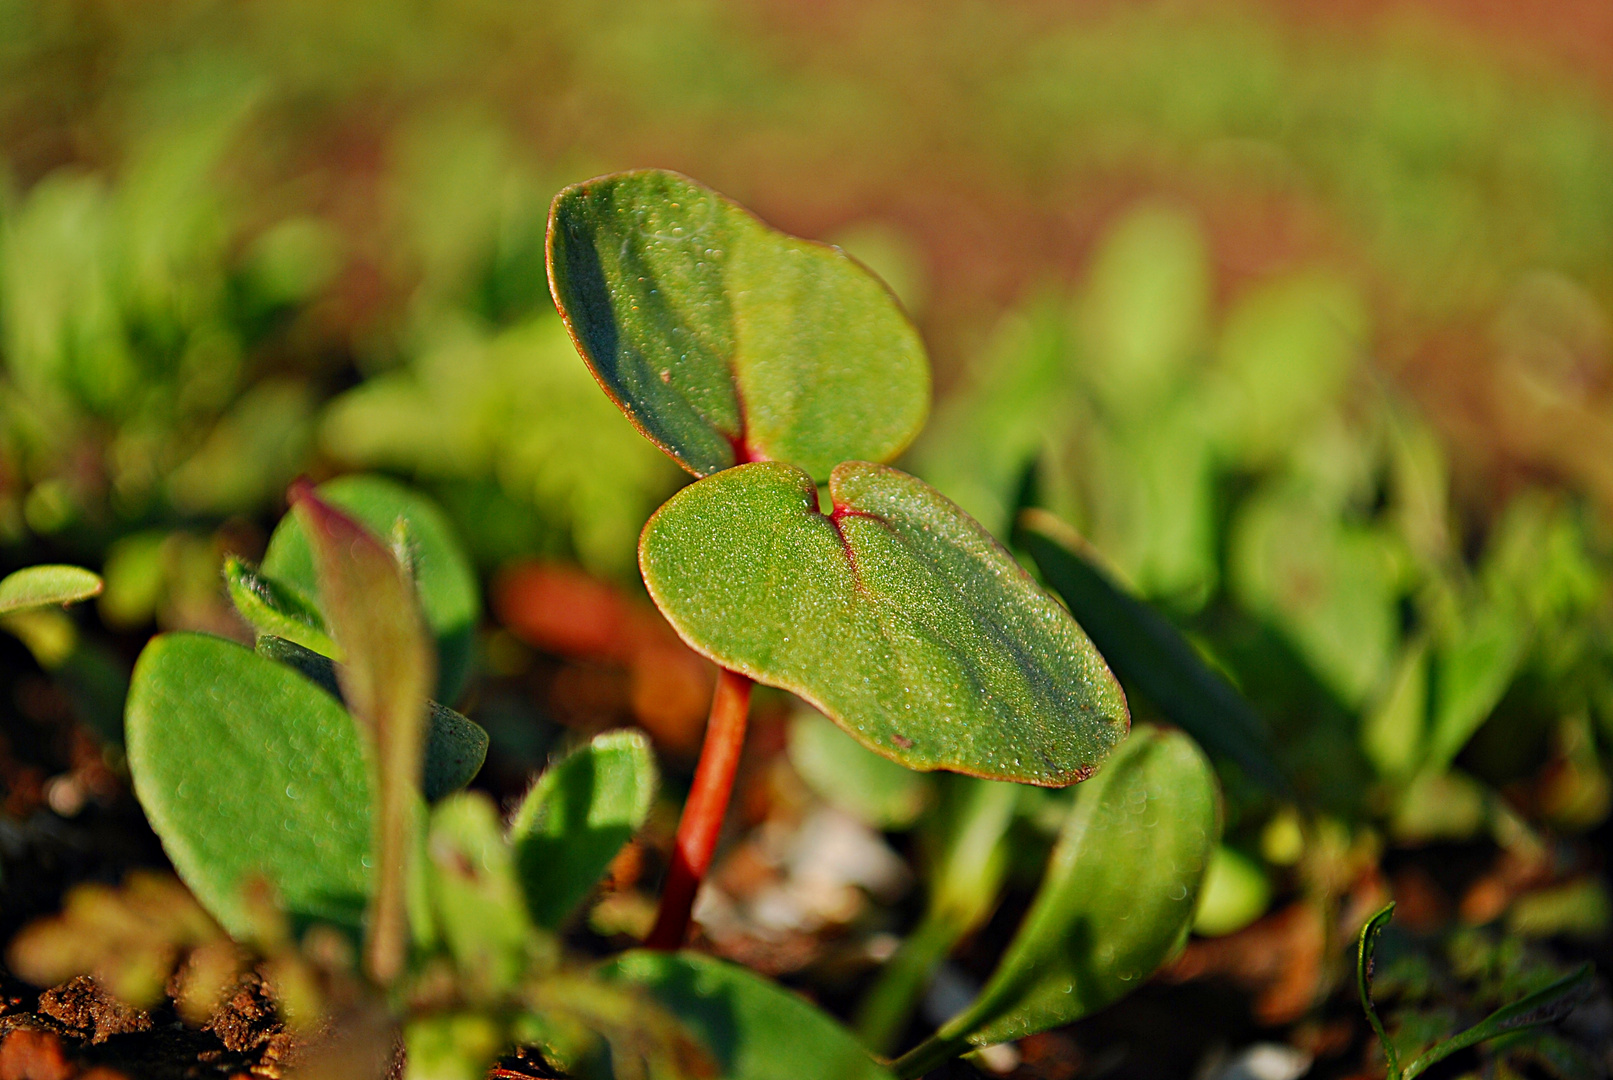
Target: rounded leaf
(725,340)
(449,596)
(246,769)
(46,586)
(897,615)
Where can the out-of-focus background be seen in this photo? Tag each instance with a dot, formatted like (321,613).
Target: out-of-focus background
(1305,311)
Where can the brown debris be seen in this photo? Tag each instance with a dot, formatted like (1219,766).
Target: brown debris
(246,1018)
(1279,959)
(86,1010)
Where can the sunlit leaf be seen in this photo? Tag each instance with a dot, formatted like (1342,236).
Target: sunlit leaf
(46,586)
(449,597)
(273,607)
(725,340)
(1119,893)
(1235,893)
(246,768)
(756,1030)
(373,615)
(1149,653)
(577,817)
(456,746)
(897,615)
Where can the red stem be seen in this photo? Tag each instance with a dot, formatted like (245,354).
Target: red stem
(703,813)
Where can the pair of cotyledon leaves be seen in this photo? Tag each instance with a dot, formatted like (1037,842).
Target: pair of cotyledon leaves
(767,365)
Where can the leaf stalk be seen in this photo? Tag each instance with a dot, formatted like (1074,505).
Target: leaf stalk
(703,814)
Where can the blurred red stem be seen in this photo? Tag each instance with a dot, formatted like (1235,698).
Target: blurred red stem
(703,813)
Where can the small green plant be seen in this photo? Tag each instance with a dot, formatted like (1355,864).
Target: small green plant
(1546,1005)
(311,786)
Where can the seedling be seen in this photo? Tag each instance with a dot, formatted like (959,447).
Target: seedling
(765,365)
(1545,1006)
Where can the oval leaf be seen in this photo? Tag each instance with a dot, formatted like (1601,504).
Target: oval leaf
(725,340)
(897,615)
(245,769)
(449,596)
(456,746)
(843,773)
(46,586)
(756,1030)
(474,893)
(1119,893)
(1150,653)
(577,817)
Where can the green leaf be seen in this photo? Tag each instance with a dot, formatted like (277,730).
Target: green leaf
(275,608)
(873,789)
(1365,962)
(46,586)
(449,596)
(756,1030)
(897,615)
(475,894)
(245,768)
(725,340)
(1472,670)
(376,620)
(456,746)
(1544,1006)
(1119,892)
(1235,893)
(1149,653)
(577,817)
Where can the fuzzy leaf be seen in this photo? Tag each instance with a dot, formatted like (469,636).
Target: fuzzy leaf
(725,340)
(897,615)
(1149,653)
(275,608)
(755,1029)
(449,596)
(373,615)
(577,817)
(1119,893)
(46,586)
(245,768)
(456,746)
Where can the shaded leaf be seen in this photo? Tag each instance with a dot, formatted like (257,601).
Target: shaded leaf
(842,772)
(244,768)
(456,746)
(1471,672)
(897,615)
(1544,1006)
(1365,963)
(576,818)
(756,1030)
(1119,893)
(374,617)
(725,340)
(273,607)
(46,586)
(449,596)
(1149,653)
(475,894)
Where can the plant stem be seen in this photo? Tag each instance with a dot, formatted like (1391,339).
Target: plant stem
(703,813)
(886,1009)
